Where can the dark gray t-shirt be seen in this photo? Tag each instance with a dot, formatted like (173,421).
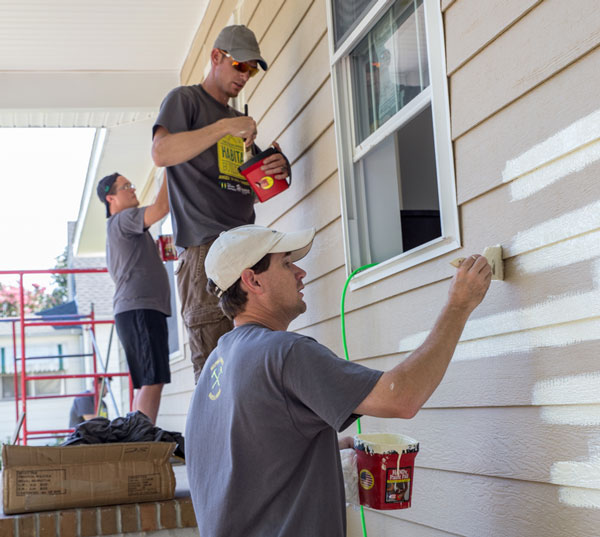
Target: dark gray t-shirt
(207,193)
(261,446)
(141,281)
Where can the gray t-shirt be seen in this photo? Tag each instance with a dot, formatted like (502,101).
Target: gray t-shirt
(141,281)
(261,446)
(207,193)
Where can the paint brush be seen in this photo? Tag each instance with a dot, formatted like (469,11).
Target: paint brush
(493,254)
(248,150)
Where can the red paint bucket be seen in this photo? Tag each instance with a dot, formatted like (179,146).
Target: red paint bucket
(264,186)
(385,464)
(166,248)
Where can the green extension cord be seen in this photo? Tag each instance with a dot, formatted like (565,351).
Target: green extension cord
(358,428)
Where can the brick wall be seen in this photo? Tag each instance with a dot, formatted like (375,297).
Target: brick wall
(107,520)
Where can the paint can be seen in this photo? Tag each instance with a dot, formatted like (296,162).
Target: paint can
(166,248)
(385,464)
(264,186)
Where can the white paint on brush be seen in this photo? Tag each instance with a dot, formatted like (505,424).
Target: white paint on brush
(565,152)
(573,389)
(562,227)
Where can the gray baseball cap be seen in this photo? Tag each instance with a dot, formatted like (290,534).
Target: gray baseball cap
(240,42)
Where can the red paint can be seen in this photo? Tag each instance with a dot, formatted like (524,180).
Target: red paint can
(166,248)
(264,186)
(385,464)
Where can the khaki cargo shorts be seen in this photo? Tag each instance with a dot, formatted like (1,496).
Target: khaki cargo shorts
(204,320)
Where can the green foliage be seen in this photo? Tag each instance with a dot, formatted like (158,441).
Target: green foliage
(59,293)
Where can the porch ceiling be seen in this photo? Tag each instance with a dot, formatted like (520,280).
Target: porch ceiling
(85,63)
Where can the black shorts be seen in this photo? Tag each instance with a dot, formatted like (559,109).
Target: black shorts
(145,338)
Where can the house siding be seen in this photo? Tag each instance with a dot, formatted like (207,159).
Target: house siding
(509,441)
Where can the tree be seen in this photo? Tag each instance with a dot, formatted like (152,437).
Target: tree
(60,292)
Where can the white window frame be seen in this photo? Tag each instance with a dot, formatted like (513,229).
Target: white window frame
(349,152)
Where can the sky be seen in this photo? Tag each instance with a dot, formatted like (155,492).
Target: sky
(43,175)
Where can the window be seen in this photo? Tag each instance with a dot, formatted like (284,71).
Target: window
(42,358)
(393,134)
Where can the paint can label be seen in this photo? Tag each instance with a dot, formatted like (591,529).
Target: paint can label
(397,487)
(166,248)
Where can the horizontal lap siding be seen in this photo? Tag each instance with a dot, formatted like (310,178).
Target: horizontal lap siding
(509,439)
(546,40)
(520,443)
(567,98)
(472,24)
(480,506)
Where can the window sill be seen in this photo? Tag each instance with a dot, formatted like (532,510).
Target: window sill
(404,261)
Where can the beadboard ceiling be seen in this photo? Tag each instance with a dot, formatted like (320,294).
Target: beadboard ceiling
(88,63)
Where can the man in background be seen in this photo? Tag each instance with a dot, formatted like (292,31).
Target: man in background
(142,295)
(83,408)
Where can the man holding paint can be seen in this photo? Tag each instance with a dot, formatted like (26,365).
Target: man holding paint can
(142,300)
(201,140)
(262,452)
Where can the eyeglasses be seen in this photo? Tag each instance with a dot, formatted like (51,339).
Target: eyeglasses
(242,67)
(128,186)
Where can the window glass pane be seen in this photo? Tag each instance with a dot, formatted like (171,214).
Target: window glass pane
(47,386)
(389,66)
(396,193)
(346,15)
(8,386)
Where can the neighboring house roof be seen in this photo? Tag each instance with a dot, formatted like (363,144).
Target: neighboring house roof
(63,312)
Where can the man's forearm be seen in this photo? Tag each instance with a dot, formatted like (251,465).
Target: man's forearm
(171,149)
(402,391)
(421,372)
(159,209)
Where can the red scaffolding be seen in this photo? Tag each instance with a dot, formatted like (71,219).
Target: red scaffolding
(23,377)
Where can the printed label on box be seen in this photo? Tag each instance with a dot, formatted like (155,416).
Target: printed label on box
(41,482)
(140,485)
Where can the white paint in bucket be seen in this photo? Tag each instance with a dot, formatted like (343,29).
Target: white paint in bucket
(386,443)
(383,443)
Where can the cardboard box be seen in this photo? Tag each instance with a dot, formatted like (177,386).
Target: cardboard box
(42,478)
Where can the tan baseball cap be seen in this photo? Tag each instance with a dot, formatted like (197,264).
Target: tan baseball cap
(239,41)
(242,247)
